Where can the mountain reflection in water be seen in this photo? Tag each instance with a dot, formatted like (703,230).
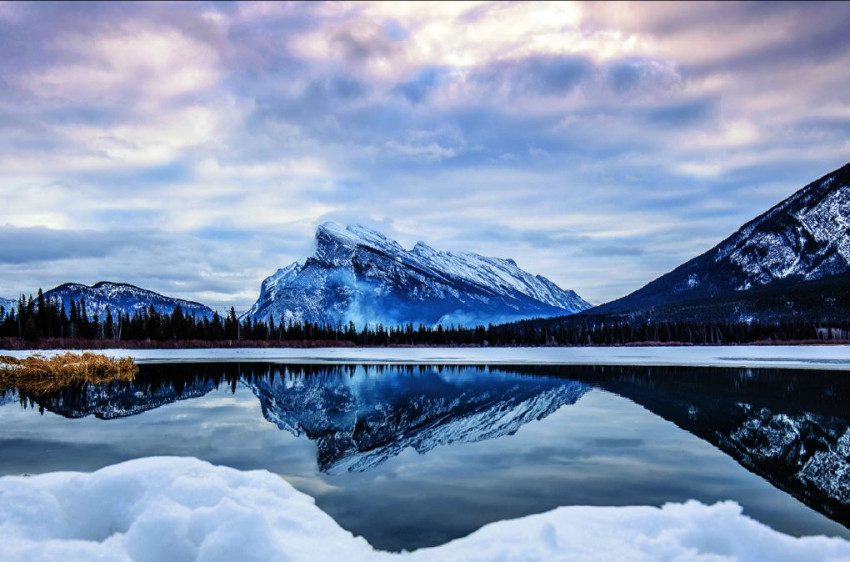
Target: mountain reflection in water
(792,428)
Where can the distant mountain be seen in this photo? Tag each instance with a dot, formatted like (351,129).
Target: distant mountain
(357,274)
(8,304)
(802,239)
(124,298)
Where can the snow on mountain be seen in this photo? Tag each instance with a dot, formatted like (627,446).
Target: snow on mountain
(124,298)
(803,238)
(359,420)
(358,274)
(8,305)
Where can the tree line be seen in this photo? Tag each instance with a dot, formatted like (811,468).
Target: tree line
(42,318)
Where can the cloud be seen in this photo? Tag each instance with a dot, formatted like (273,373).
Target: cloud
(418,88)
(193,149)
(642,75)
(540,75)
(38,244)
(129,65)
(681,113)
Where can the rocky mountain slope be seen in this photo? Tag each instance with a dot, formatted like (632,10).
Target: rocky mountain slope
(357,274)
(804,238)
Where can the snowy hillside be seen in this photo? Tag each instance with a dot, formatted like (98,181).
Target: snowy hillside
(357,274)
(124,298)
(805,237)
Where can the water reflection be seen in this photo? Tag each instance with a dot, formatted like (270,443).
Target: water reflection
(359,419)
(789,427)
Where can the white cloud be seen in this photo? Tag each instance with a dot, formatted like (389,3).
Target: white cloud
(133,63)
(566,135)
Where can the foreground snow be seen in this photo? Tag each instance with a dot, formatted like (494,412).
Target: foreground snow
(170,508)
(785,356)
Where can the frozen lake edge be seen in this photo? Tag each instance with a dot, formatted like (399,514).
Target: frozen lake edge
(818,357)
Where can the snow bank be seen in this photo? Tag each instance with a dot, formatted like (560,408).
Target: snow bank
(168,508)
(836,357)
(689,531)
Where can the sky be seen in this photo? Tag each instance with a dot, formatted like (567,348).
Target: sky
(193,148)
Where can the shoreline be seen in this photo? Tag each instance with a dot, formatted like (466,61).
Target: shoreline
(813,357)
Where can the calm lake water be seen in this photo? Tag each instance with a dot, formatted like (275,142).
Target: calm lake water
(412,456)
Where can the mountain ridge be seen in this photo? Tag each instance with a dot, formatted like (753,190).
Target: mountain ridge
(805,237)
(358,274)
(123,297)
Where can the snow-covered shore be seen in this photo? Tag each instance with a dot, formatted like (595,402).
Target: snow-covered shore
(174,508)
(836,357)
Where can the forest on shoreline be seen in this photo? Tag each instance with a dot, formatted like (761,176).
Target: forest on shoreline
(40,323)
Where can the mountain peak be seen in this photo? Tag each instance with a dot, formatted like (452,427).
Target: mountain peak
(336,244)
(359,274)
(423,249)
(352,234)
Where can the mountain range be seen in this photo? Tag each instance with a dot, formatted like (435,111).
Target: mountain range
(793,261)
(124,298)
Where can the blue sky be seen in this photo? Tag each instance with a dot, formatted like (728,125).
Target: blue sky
(193,148)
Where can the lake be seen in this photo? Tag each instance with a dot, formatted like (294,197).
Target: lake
(415,455)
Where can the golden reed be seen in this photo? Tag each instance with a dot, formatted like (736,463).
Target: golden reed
(40,374)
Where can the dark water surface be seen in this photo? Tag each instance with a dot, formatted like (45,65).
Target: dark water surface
(411,456)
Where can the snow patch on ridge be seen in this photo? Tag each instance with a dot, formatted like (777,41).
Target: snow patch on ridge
(168,508)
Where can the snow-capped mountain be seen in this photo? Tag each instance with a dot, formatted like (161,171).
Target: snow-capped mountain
(357,274)
(804,238)
(359,420)
(124,298)
(8,304)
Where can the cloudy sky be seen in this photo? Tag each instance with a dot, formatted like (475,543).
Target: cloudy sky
(193,148)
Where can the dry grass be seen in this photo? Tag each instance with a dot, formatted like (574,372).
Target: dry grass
(40,374)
